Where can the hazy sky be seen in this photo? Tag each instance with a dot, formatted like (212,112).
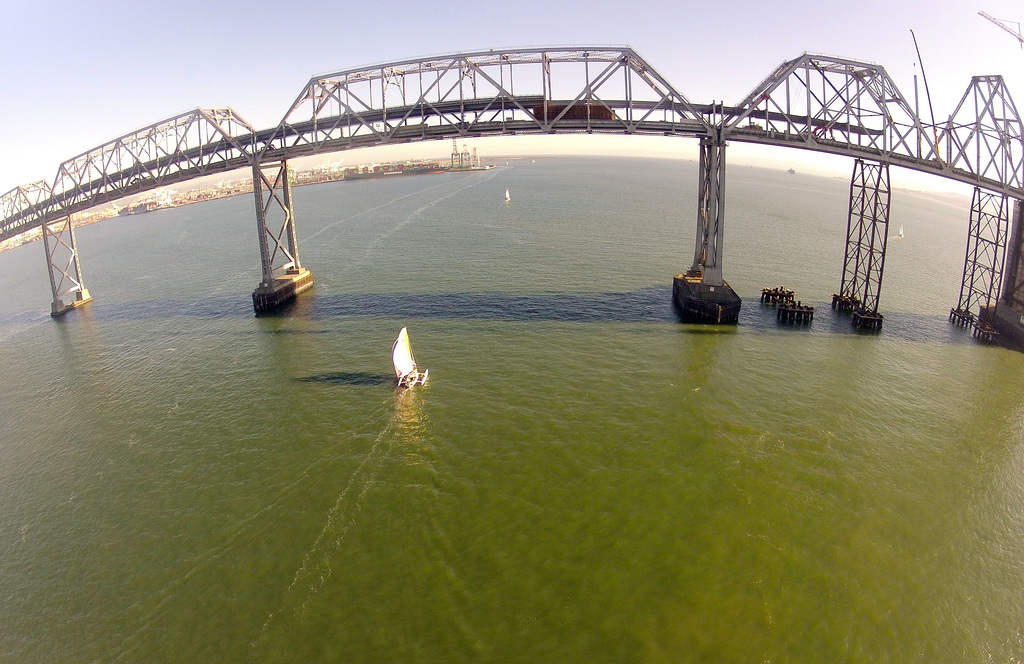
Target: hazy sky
(76,74)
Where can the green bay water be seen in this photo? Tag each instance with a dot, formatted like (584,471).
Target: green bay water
(583,479)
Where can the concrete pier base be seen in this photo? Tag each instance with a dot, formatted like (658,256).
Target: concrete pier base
(699,303)
(269,298)
(1004,321)
(59,307)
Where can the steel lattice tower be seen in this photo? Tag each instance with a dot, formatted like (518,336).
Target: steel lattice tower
(867,230)
(984,258)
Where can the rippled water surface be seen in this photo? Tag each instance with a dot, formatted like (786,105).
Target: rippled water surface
(584,479)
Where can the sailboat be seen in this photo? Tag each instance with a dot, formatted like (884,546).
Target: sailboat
(901,230)
(405,363)
(507,197)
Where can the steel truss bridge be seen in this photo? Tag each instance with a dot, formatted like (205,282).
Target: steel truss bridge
(813,102)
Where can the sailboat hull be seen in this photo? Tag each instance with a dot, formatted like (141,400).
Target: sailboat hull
(414,378)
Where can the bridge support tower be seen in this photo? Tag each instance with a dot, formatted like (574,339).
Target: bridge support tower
(983,264)
(65,271)
(867,229)
(283,274)
(701,294)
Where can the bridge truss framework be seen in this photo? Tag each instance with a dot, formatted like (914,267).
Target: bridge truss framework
(813,102)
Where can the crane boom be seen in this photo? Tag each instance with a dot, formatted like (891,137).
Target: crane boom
(1004,26)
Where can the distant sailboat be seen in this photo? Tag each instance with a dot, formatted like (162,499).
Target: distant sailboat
(901,230)
(507,197)
(405,363)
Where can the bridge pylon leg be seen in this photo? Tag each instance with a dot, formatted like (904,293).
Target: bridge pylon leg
(983,263)
(283,274)
(702,295)
(867,231)
(707,255)
(65,271)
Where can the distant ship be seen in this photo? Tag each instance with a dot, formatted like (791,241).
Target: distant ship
(791,172)
(384,170)
(138,208)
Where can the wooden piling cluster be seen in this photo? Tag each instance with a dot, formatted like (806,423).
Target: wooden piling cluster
(780,295)
(844,302)
(983,329)
(787,309)
(862,318)
(961,317)
(985,332)
(795,313)
(866,320)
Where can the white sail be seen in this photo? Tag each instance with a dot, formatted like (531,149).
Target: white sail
(401,355)
(901,230)
(507,197)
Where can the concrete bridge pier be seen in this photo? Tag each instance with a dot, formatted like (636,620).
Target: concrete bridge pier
(283,274)
(65,271)
(701,294)
(1008,316)
(867,230)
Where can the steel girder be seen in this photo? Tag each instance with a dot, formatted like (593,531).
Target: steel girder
(186,146)
(986,253)
(983,137)
(578,89)
(854,109)
(21,208)
(832,104)
(867,230)
(193,144)
(812,102)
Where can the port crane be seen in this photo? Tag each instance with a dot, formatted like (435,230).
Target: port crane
(1005,26)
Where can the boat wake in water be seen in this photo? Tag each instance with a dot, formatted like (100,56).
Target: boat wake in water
(369,210)
(315,569)
(418,212)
